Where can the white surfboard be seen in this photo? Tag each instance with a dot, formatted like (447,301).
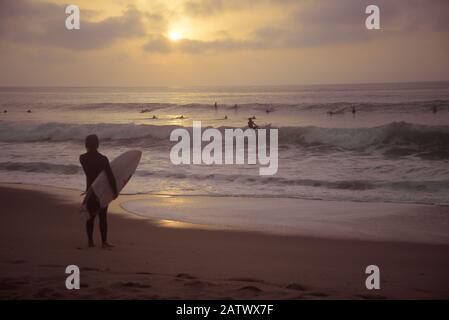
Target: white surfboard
(123,167)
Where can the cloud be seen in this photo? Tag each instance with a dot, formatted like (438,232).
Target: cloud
(207,7)
(315,23)
(306,23)
(159,44)
(210,7)
(163,45)
(44,24)
(325,22)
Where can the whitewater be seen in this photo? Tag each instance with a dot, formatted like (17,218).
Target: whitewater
(394,148)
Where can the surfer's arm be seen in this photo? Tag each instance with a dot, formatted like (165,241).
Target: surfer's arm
(111,178)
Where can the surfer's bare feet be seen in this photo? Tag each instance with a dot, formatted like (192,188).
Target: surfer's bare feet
(106,245)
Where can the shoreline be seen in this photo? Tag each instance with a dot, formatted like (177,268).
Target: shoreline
(42,232)
(411,223)
(387,217)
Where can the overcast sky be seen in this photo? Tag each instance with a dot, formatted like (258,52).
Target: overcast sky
(222,42)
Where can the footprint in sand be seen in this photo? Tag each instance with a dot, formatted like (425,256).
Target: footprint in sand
(16,261)
(296,286)
(51,265)
(196,284)
(144,273)
(251,289)
(133,284)
(185,276)
(246,280)
(90,269)
(317,294)
(300,297)
(370,296)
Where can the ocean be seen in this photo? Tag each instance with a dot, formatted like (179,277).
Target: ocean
(395,148)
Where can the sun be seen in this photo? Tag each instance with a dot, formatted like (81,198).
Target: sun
(174,36)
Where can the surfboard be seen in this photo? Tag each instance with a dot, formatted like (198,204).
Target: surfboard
(123,167)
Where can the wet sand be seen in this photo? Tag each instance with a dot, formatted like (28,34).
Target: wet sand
(42,231)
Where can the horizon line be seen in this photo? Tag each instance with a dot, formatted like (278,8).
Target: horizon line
(225,85)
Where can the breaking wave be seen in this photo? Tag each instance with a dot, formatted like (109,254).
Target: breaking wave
(40,167)
(396,139)
(350,185)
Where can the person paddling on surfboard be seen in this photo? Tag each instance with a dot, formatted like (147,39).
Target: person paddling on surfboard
(93,164)
(252,124)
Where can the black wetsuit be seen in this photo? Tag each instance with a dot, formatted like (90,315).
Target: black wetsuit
(252,125)
(93,164)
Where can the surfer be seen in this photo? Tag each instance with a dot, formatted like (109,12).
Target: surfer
(93,164)
(252,124)
(28,111)
(215,105)
(5,111)
(353,111)
(154,117)
(180,117)
(434,109)
(225,117)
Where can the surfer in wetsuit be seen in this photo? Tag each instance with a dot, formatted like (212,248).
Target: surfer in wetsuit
(93,164)
(252,124)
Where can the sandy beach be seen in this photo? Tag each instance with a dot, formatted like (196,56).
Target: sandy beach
(42,231)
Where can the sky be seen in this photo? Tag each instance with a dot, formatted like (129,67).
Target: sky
(222,42)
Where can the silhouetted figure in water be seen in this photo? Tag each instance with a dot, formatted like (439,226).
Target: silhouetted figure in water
(353,111)
(216,105)
(28,111)
(154,117)
(225,117)
(180,117)
(252,124)
(93,164)
(434,109)
(330,113)
(5,111)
